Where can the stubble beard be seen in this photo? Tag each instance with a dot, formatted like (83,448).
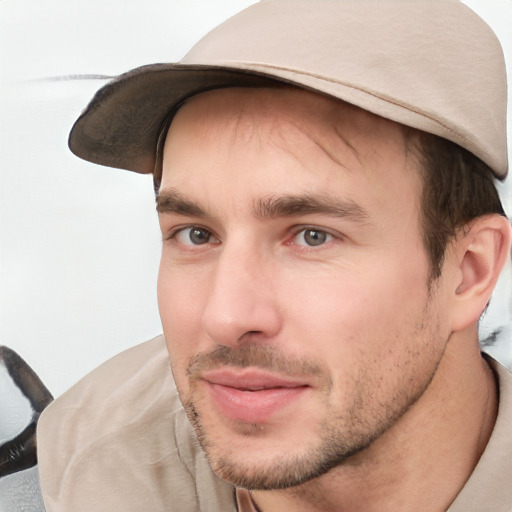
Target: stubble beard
(340,436)
(281,471)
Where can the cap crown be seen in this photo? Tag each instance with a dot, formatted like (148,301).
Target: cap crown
(430,64)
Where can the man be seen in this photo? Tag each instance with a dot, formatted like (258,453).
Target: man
(331,235)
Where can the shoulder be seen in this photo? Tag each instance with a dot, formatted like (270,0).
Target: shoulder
(120,439)
(488,488)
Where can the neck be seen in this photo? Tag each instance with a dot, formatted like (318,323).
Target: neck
(424,460)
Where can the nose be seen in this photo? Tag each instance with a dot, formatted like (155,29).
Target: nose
(241,303)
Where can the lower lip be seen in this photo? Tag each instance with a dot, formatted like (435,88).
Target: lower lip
(252,406)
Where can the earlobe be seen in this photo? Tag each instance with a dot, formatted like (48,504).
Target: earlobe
(481,249)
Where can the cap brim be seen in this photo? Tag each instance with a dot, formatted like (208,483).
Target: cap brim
(120,126)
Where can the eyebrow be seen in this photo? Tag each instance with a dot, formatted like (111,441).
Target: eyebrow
(290,206)
(171,201)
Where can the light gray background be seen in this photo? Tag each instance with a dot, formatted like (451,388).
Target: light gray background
(79,242)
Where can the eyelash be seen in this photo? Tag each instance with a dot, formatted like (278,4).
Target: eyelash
(327,235)
(180,230)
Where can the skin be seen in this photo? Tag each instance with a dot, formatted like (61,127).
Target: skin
(395,401)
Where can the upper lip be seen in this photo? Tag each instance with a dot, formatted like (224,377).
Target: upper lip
(249,379)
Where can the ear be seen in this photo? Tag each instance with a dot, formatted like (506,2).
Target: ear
(481,251)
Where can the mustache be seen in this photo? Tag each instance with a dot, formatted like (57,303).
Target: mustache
(256,355)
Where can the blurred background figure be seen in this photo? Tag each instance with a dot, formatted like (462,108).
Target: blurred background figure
(23,397)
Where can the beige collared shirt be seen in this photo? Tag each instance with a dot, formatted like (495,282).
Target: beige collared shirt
(120,440)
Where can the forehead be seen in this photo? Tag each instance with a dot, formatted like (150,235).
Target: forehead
(288,133)
(284,111)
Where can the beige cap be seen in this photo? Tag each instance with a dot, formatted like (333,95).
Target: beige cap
(429,64)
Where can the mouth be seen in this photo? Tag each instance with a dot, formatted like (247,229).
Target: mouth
(251,396)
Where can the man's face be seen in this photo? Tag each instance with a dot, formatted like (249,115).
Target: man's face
(293,283)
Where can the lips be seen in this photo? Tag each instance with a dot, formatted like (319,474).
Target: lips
(251,396)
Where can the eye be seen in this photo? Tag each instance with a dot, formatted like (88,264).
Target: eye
(311,237)
(195,235)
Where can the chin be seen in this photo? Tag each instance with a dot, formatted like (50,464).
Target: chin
(253,457)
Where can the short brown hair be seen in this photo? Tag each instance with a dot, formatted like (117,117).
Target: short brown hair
(457,188)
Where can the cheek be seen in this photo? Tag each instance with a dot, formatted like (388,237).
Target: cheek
(180,301)
(344,312)
(178,318)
